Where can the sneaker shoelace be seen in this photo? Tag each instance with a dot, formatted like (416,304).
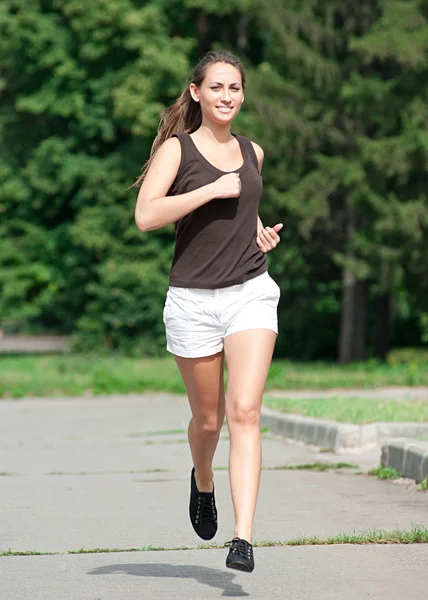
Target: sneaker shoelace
(205,510)
(240,547)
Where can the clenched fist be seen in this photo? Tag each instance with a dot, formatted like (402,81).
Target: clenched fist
(268,238)
(227,186)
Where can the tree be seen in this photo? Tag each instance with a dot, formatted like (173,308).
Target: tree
(81,90)
(344,120)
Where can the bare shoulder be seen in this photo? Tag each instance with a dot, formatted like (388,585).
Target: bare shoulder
(162,171)
(170,147)
(259,153)
(167,156)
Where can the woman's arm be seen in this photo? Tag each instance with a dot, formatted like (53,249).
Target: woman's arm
(260,156)
(267,237)
(154,208)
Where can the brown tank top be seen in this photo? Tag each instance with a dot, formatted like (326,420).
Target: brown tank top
(216,243)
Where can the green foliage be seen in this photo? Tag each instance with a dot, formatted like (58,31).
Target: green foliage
(385,472)
(104,372)
(339,104)
(82,86)
(423,486)
(336,97)
(418,357)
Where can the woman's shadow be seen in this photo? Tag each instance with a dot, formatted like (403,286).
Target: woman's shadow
(215,578)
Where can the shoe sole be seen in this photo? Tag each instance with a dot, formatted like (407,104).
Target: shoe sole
(204,537)
(238,566)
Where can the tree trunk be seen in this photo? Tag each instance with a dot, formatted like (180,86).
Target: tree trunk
(383,312)
(352,343)
(202,25)
(242,33)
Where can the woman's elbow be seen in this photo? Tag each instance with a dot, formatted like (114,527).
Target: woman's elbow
(142,222)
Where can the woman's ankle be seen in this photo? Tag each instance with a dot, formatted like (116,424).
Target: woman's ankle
(244,534)
(204,483)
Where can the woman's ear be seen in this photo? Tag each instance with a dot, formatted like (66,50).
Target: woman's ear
(194,92)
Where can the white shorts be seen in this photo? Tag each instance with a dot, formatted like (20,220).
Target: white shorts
(198,320)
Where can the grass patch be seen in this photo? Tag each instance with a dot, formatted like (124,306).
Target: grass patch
(135,472)
(165,442)
(27,553)
(352,410)
(140,549)
(316,466)
(416,535)
(82,374)
(385,472)
(423,486)
(76,374)
(166,432)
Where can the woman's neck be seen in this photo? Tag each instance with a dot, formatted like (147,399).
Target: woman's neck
(212,133)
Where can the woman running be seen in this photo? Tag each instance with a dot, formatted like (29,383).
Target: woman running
(221,305)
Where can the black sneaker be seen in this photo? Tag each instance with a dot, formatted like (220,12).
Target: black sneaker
(202,511)
(240,555)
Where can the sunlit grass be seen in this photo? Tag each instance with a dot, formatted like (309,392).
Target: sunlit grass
(352,410)
(415,535)
(92,374)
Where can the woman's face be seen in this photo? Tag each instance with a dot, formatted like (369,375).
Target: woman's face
(220,94)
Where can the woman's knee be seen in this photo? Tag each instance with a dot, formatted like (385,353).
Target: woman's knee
(208,426)
(243,414)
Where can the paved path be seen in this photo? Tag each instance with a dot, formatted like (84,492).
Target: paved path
(113,473)
(30,344)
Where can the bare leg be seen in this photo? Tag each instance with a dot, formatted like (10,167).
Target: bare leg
(204,382)
(248,356)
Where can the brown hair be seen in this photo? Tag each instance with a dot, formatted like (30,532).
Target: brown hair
(185,114)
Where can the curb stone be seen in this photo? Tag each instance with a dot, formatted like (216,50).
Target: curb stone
(407,456)
(339,436)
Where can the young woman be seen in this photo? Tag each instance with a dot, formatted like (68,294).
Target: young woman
(221,304)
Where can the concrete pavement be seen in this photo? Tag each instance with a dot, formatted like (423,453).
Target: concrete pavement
(301,573)
(113,473)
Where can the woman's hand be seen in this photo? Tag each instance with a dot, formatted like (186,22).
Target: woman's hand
(268,238)
(227,186)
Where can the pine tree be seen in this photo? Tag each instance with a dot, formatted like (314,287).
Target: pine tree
(341,98)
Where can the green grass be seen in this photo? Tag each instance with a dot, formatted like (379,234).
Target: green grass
(416,535)
(84,374)
(382,472)
(352,410)
(79,374)
(423,486)
(316,466)
(92,473)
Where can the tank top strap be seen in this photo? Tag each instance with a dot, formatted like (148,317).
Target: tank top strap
(249,149)
(184,141)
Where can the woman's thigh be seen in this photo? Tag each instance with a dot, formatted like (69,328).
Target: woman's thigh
(248,356)
(204,382)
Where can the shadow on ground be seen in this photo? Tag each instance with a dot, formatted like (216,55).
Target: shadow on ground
(215,578)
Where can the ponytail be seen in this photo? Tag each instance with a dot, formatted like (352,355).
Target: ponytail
(183,116)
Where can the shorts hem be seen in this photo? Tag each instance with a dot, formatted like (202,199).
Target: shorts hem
(249,327)
(195,353)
